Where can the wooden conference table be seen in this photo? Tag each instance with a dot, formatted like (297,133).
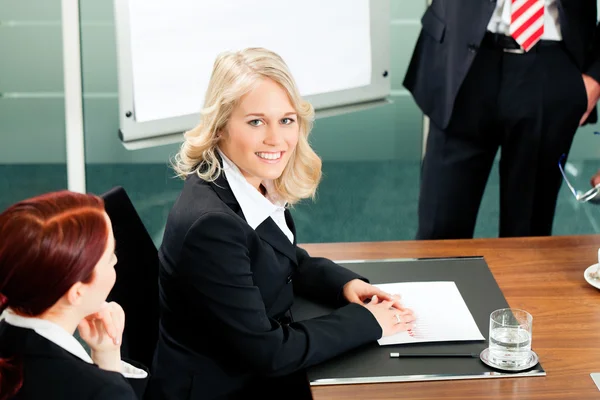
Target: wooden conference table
(541,275)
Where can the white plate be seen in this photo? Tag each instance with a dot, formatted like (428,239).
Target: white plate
(594,282)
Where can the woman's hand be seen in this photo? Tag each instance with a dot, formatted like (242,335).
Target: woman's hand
(103,332)
(359,291)
(391,319)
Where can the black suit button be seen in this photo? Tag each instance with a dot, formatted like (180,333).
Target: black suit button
(473,48)
(289,280)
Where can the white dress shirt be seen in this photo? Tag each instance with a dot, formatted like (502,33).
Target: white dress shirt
(500,21)
(64,339)
(256,207)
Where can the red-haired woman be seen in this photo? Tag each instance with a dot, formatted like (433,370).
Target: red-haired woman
(56,270)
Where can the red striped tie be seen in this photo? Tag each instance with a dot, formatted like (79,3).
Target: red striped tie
(527,22)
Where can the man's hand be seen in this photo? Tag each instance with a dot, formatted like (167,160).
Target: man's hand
(595,181)
(592,88)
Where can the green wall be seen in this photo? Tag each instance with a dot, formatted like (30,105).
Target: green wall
(32,111)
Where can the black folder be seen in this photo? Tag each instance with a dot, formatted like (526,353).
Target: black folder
(372,363)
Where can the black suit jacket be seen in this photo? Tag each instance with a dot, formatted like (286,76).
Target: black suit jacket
(452,31)
(50,372)
(225,294)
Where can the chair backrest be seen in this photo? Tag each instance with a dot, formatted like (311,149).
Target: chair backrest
(136,287)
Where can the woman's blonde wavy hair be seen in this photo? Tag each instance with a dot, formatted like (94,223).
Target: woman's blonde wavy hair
(235,74)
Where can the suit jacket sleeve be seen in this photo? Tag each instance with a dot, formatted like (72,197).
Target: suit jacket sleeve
(321,279)
(138,384)
(223,288)
(118,392)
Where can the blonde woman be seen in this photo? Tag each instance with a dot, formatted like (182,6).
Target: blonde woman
(229,263)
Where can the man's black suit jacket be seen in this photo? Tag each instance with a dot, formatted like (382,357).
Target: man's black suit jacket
(225,292)
(452,31)
(50,372)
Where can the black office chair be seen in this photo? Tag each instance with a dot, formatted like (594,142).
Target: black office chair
(136,287)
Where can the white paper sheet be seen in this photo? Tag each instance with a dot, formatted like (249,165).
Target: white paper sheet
(326,44)
(442,314)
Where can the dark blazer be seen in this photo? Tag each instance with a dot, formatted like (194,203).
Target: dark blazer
(50,372)
(225,294)
(452,31)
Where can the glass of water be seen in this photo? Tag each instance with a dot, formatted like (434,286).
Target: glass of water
(510,337)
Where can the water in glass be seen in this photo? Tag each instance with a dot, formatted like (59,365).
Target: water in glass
(510,346)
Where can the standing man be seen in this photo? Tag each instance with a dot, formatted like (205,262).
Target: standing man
(520,75)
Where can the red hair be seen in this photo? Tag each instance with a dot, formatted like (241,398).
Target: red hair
(47,244)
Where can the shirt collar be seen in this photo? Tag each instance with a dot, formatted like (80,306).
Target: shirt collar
(50,331)
(256,207)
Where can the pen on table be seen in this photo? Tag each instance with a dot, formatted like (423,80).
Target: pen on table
(406,355)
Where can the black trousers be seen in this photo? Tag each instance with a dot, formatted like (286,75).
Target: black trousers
(528,105)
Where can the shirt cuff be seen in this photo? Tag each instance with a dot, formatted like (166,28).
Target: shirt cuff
(129,371)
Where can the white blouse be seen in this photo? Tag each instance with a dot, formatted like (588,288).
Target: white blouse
(256,207)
